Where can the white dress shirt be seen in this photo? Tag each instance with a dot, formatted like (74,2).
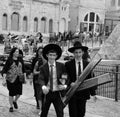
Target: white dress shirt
(76,64)
(55,84)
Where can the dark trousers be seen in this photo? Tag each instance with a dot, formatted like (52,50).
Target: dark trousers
(77,107)
(52,97)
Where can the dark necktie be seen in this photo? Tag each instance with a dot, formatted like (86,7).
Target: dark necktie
(79,69)
(51,77)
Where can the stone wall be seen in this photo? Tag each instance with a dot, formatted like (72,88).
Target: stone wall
(31,9)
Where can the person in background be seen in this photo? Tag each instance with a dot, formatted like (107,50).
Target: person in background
(37,62)
(26,47)
(39,37)
(10,73)
(50,77)
(74,67)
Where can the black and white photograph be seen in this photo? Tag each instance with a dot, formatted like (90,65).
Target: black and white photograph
(59,58)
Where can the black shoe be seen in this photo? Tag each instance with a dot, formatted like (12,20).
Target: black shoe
(11,109)
(15,105)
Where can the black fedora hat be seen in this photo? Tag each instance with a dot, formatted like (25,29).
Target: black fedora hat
(77,45)
(51,47)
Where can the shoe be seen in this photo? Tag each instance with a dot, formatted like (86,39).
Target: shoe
(11,109)
(15,105)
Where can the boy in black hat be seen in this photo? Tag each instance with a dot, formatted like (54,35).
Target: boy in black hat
(49,78)
(77,104)
(85,55)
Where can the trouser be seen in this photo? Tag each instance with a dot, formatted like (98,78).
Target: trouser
(77,107)
(52,97)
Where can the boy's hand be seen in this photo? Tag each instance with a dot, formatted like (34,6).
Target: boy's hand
(94,98)
(45,89)
(4,83)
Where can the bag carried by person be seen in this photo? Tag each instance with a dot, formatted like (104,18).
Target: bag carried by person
(21,74)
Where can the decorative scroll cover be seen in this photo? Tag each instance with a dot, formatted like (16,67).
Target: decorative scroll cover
(20,73)
(12,73)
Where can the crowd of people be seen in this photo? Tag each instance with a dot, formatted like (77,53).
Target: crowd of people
(29,43)
(26,43)
(51,79)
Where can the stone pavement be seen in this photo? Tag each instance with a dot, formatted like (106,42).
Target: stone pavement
(101,108)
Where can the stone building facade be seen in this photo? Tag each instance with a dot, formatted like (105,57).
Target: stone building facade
(32,16)
(87,15)
(112,15)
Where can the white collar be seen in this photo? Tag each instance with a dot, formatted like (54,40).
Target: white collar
(54,64)
(78,61)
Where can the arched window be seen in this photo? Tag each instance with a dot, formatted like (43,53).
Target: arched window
(50,26)
(25,23)
(91,22)
(92,17)
(86,18)
(4,22)
(35,24)
(43,25)
(97,18)
(113,2)
(15,21)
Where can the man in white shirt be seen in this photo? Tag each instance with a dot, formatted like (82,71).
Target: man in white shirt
(49,79)
(77,104)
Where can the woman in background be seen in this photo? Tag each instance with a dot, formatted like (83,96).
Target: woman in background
(10,73)
(38,61)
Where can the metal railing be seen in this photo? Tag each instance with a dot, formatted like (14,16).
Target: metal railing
(110,90)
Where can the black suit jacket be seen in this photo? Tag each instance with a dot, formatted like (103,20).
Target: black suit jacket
(44,73)
(71,71)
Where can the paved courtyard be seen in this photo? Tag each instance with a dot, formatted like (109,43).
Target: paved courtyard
(103,107)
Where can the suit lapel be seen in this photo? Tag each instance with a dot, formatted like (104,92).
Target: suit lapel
(85,63)
(74,67)
(57,70)
(46,67)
